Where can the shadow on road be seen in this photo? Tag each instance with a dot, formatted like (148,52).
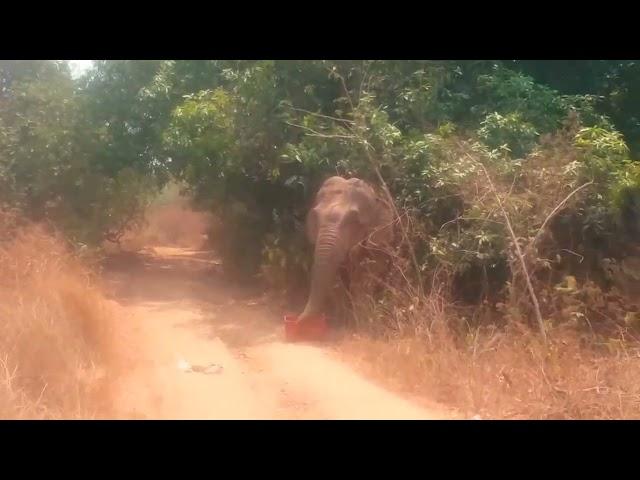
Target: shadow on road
(165,277)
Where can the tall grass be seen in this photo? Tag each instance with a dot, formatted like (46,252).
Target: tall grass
(508,373)
(57,341)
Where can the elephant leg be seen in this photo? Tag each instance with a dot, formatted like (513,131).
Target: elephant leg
(339,303)
(359,281)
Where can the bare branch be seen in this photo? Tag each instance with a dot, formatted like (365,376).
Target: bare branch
(557,209)
(573,253)
(520,255)
(322,116)
(481,219)
(315,133)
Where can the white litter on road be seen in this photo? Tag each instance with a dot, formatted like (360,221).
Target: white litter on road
(212,368)
(184,365)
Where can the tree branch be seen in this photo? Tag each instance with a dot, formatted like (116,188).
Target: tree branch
(520,255)
(321,115)
(315,133)
(556,210)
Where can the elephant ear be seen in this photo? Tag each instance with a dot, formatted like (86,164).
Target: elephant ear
(383,222)
(365,199)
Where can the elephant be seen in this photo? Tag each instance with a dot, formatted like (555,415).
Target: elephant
(347,220)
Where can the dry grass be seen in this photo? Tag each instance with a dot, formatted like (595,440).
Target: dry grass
(507,373)
(481,361)
(57,344)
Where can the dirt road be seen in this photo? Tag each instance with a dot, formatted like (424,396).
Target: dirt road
(204,349)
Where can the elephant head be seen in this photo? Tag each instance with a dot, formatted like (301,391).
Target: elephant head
(345,213)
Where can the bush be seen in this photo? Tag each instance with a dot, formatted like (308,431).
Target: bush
(508,131)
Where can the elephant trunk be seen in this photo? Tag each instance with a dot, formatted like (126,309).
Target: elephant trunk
(327,258)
